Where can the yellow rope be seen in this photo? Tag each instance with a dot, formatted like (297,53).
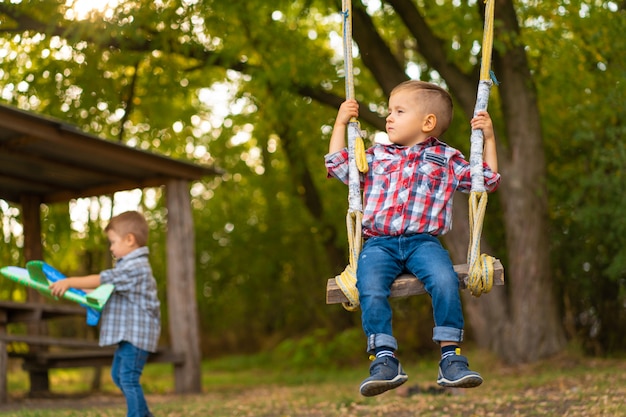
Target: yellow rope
(359,155)
(347,279)
(480,274)
(359,146)
(487,47)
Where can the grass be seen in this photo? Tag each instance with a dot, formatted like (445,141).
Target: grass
(569,385)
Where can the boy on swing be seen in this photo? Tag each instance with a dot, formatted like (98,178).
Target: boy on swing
(408,203)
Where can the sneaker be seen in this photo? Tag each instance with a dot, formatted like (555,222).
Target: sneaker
(385,373)
(454,372)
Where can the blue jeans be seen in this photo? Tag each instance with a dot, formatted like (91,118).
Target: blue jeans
(381,260)
(128,363)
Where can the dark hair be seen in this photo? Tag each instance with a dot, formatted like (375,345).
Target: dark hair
(130,222)
(435,99)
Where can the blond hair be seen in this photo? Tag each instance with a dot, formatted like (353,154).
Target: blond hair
(130,222)
(433,99)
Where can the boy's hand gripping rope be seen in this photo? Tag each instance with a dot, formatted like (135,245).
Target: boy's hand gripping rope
(357,165)
(480,273)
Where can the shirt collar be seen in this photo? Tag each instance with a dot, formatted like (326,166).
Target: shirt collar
(137,253)
(430,141)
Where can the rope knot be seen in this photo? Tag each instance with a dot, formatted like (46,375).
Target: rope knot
(347,279)
(480,274)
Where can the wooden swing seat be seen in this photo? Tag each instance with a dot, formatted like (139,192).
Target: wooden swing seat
(406,285)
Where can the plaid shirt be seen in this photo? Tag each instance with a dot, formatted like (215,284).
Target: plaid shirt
(133,313)
(409,190)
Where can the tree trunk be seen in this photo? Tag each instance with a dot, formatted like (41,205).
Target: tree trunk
(487,315)
(535,330)
(519,323)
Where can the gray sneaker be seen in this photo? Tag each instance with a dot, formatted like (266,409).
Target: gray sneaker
(385,373)
(454,372)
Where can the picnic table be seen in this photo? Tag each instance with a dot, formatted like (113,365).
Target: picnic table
(71,352)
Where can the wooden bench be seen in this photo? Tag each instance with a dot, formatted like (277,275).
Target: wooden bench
(43,352)
(44,361)
(75,353)
(406,285)
(36,340)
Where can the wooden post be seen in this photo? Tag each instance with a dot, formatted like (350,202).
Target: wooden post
(4,360)
(181,288)
(31,215)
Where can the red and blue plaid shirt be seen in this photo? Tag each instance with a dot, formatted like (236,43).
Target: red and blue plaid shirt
(409,190)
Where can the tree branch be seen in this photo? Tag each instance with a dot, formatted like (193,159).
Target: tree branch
(335,101)
(375,53)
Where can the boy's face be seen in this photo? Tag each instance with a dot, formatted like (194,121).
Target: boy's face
(120,246)
(407,123)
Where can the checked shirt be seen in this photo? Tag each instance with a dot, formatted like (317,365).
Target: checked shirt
(409,190)
(132,313)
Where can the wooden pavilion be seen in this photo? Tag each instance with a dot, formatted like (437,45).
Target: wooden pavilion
(45,161)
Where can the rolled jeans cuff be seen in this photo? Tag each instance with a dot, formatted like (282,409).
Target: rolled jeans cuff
(447,334)
(379,340)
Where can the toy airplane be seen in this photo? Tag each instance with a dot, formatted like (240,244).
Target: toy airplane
(38,275)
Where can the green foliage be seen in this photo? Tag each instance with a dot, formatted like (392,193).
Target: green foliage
(320,349)
(584,127)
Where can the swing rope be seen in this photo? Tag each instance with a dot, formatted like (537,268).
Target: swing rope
(357,164)
(481,269)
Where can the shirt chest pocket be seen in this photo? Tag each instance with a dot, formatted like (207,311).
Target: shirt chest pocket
(386,166)
(431,174)
(387,172)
